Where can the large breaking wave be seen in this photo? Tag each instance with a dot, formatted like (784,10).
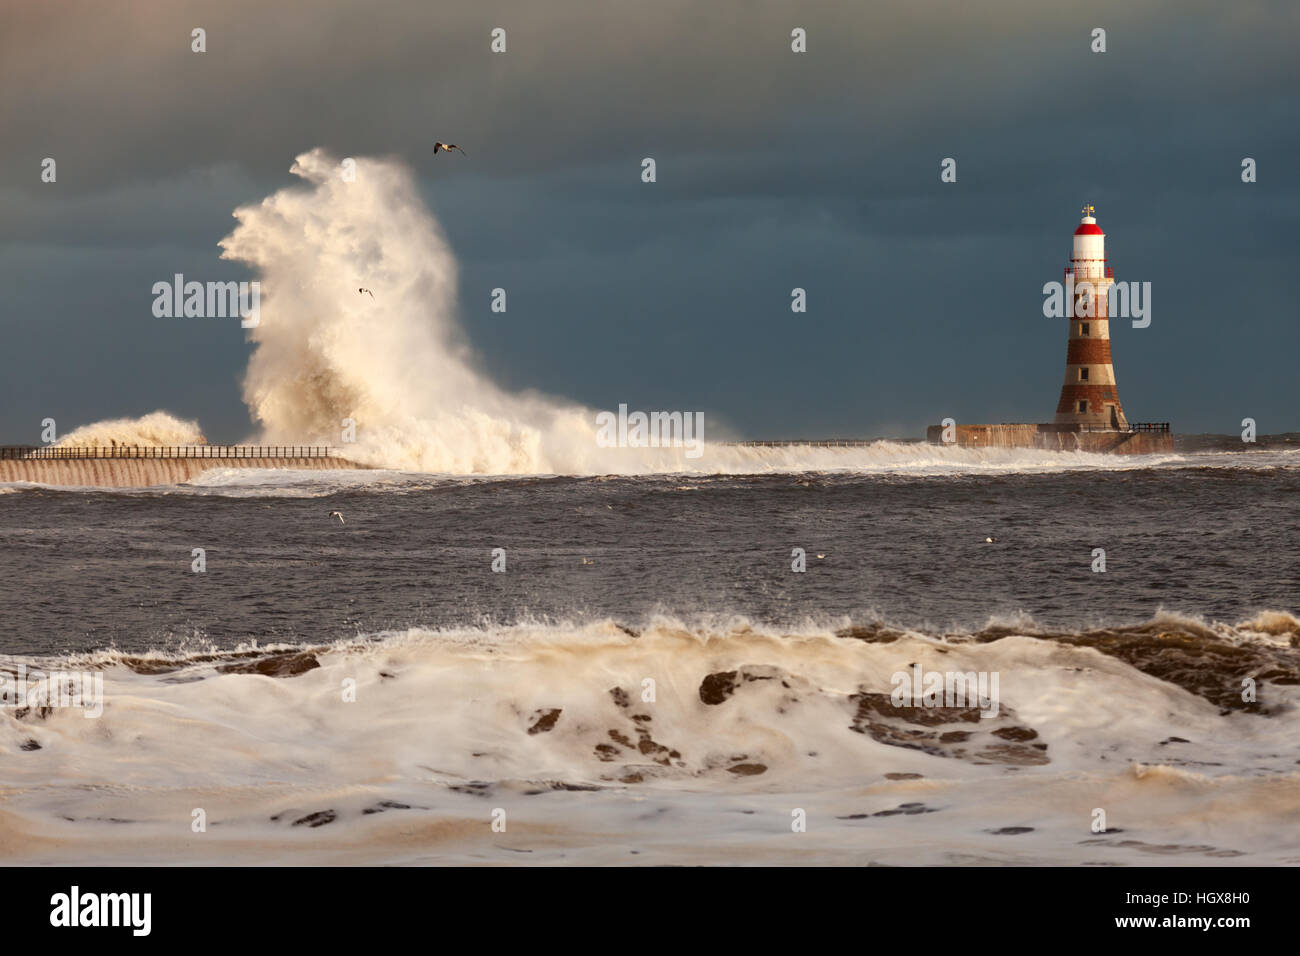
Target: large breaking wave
(393,359)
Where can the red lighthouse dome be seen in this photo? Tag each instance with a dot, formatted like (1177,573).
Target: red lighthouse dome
(1089,258)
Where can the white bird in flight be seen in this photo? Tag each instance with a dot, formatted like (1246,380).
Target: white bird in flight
(447,148)
(339,515)
(367,292)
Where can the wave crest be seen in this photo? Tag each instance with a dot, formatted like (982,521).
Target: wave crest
(154,430)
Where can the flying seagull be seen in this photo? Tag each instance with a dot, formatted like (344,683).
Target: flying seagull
(339,515)
(447,148)
(367,292)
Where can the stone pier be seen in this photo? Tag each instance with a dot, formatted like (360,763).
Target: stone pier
(135,466)
(1139,439)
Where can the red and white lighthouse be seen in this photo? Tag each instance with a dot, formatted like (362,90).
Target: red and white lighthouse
(1089,396)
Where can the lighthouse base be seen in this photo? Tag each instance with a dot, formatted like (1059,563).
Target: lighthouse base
(1141,440)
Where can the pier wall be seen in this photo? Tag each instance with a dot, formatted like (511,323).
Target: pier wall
(1055,438)
(94,471)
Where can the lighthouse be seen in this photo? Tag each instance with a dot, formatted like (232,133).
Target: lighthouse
(1088,395)
(1089,416)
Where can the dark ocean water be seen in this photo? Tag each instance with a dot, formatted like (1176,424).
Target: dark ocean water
(85,570)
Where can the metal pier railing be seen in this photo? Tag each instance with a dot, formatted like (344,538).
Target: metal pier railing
(1158,427)
(165,451)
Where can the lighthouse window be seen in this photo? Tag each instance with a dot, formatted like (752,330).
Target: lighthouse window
(1083,406)
(1083,375)
(1083,328)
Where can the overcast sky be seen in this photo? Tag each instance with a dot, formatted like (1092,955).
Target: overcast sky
(819,170)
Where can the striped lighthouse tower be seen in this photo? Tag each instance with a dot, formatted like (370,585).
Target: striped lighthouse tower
(1089,396)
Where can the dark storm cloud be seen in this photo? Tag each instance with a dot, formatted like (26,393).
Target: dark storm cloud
(125,98)
(775,170)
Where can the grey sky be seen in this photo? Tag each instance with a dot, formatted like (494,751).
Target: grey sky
(776,170)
